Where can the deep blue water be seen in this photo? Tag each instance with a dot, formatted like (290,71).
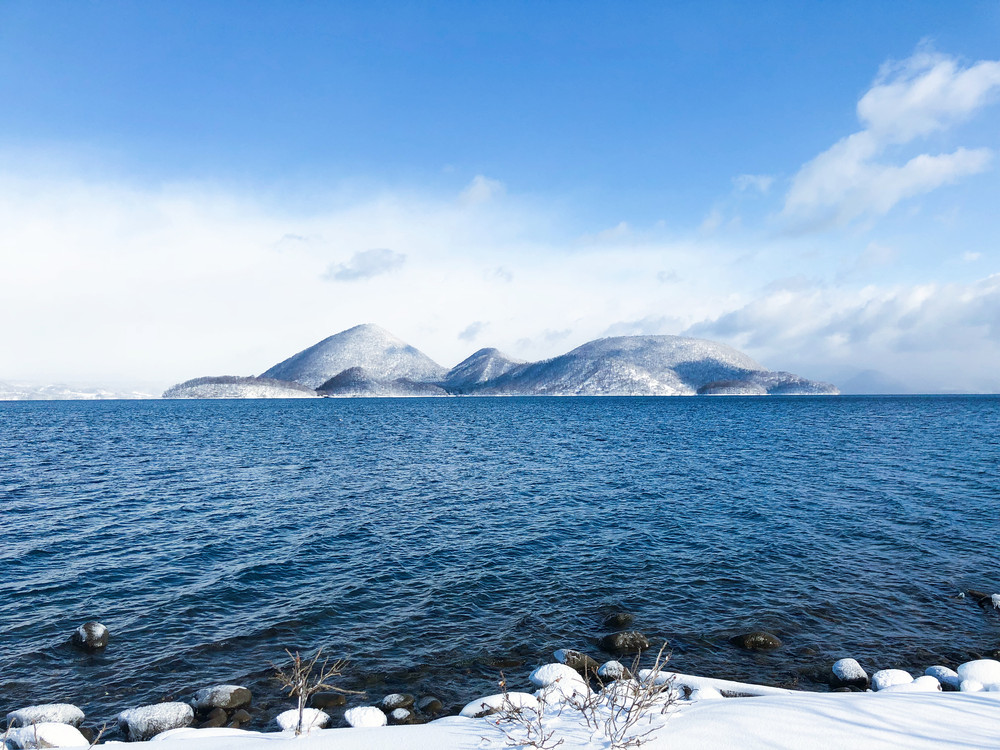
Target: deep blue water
(433,541)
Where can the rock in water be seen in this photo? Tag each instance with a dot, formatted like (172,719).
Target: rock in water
(429,705)
(91,636)
(327,700)
(365,716)
(144,722)
(618,620)
(887,677)
(240,717)
(226,697)
(948,678)
(582,663)
(46,734)
(48,713)
(400,716)
(848,673)
(395,700)
(216,718)
(628,642)
(312,718)
(756,641)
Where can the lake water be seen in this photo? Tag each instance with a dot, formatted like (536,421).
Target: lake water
(436,541)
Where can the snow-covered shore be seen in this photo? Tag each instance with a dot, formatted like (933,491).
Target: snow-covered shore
(861,721)
(689,713)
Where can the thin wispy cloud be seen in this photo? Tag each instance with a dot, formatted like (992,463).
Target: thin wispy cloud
(365,265)
(856,177)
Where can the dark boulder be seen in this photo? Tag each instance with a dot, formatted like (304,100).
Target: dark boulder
(627,642)
(91,636)
(216,718)
(586,665)
(395,700)
(327,700)
(429,705)
(756,641)
(618,620)
(239,718)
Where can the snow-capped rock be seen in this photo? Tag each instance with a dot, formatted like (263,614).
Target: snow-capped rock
(46,713)
(923,684)
(221,696)
(549,673)
(144,722)
(312,718)
(231,386)
(382,355)
(947,677)
(581,662)
(612,670)
(984,671)
(493,703)
(847,672)
(365,716)
(46,734)
(886,677)
(91,636)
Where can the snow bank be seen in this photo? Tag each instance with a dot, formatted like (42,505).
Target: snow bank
(728,688)
(365,716)
(45,734)
(860,721)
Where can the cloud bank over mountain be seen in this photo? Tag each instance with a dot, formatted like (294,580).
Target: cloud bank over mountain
(873,255)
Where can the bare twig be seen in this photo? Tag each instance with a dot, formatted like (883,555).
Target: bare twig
(523,725)
(299,681)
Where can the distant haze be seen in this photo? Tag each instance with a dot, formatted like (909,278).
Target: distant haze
(814,185)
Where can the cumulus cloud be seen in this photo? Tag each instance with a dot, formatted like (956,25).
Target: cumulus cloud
(908,100)
(365,264)
(940,336)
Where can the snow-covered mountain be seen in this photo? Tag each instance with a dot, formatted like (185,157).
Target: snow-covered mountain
(231,386)
(484,365)
(369,361)
(62,392)
(648,366)
(357,381)
(382,355)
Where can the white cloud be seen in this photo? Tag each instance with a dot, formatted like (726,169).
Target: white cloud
(109,282)
(911,99)
(933,336)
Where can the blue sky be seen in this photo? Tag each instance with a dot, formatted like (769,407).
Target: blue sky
(812,182)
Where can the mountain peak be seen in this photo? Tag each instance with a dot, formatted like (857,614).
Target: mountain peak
(368,346)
